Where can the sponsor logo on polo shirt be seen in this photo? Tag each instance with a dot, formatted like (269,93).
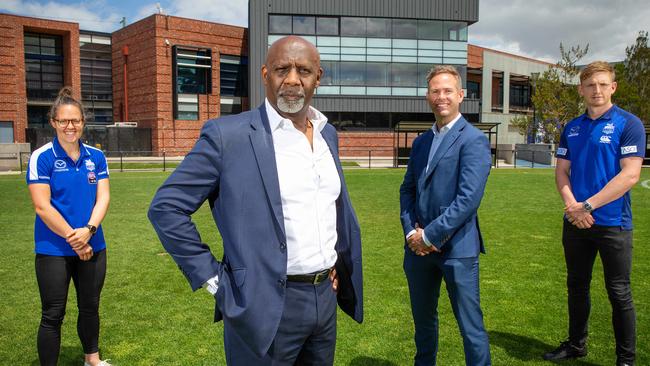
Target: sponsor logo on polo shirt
(561,151)
(608,129)
(60,166)
(628,149)
(574,131)
(89,165)
(605,139)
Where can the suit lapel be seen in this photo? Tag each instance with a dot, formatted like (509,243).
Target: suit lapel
(447,142)
(262,143)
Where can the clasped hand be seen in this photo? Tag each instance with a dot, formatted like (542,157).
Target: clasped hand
(578,216)
(78,239)
(416,243)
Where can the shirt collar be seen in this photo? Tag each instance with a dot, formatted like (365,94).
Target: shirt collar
(276,120)
(60,153)
(446,127)
(607,115)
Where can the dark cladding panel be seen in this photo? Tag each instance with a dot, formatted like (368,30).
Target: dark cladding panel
(368,104)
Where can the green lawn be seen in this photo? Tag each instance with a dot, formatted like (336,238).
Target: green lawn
(150,316)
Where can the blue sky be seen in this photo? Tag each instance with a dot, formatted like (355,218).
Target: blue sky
(532,28)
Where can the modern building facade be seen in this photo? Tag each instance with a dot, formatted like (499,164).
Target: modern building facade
(375,55)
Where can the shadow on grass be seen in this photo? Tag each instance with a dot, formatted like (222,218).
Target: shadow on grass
(68,356)
(370,361)
(527,349)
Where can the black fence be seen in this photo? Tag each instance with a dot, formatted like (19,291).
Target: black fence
(126,139)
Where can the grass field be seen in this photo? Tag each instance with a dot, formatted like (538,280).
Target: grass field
(150,316)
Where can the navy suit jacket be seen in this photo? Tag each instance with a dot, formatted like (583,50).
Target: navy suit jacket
(445,199)
(232,166)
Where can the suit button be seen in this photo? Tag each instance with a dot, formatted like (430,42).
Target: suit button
(281,283)
(283,246)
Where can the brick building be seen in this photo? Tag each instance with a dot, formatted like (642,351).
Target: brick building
(37,57)
(179,72)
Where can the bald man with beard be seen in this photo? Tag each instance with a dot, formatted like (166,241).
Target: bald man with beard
(291,239)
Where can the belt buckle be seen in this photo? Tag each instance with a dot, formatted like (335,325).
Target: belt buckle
(318,277)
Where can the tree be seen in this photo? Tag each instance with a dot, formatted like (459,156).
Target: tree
(555,97)
(633,78)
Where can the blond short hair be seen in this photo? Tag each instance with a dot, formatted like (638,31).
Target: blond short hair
(445,69)
(594,67)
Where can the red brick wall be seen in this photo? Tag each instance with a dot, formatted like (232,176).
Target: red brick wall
(13,93)
(150,75)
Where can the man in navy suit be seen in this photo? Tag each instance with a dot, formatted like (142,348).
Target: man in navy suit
(291,239)
(441,192)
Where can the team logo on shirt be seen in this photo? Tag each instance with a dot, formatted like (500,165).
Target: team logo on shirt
(574,131)
(561,151)
(89,165)
(60,166)
(608,129)
(92,178)
(605,139)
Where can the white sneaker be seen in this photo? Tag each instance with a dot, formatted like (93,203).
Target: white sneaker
(101,363)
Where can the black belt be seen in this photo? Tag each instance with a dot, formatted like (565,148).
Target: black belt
(313,278)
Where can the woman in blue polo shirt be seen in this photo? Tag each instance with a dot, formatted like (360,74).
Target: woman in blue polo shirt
(68,183)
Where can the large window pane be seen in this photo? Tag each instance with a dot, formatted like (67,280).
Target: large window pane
(327,26)
(404,75)
(352,73)
(430,29)
(330,73)
(405,28)
(304,25)
(455,31)
(378,27)
(353,26)
(279,24)
(377,74)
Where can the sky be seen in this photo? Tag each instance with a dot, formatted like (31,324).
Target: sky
(532,28)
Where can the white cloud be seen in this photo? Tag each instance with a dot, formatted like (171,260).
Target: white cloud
(91,15)
(233,12)
(538,26)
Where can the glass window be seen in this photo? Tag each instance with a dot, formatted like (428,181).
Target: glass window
(330,73)
(351,120)
(377,120)
(327,26)
(188,107)
(378,27)
(455,31)
(423,71)
(430,29)
(304,25)
(473,90)
(279,24)
(234,76)
(353,26)
(352,73)
(6,132)
(405,28)
(380,42)
(377,74)
(43,65)
(404,75)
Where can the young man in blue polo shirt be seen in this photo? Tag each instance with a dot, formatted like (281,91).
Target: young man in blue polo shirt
(599,161)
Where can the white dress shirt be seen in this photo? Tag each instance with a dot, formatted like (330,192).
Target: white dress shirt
(438,135)
(309,187)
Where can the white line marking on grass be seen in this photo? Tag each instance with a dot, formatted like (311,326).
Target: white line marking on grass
(646,184)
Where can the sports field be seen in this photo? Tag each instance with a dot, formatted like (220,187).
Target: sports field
(151,317)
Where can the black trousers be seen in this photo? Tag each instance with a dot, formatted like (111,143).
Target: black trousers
(615,248)
(53,274)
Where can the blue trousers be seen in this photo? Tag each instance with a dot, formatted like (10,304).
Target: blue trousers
(461,275)
(306,335)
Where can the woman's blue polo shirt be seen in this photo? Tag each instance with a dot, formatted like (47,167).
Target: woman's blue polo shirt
(73,187)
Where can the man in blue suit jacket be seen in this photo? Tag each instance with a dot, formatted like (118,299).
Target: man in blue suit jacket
(441,192)
(291,239)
